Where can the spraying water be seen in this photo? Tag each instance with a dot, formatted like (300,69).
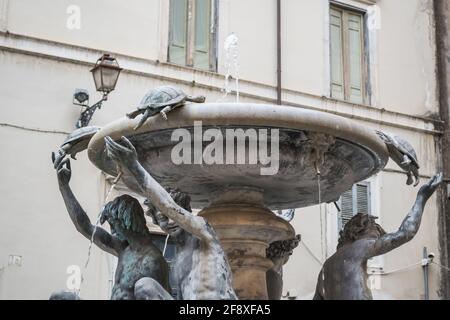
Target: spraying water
(322,245)
(231,64)
(97,223)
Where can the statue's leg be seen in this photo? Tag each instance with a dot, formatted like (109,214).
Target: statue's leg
(150,289)
(64,295)
(409,180)
(406,160)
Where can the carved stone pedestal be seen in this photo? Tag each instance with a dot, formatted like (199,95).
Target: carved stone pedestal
(246,228)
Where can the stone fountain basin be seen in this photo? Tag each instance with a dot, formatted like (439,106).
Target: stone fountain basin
(356,154)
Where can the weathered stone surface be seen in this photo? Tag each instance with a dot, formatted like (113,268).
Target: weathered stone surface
(356,154)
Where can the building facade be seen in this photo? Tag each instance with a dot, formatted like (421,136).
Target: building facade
(374,61)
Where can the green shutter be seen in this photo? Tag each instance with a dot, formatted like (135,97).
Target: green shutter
(337,67)
(347,55)
(355,44)
(178,31)
(202,34)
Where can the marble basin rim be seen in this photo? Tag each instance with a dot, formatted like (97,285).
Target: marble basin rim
(357,153)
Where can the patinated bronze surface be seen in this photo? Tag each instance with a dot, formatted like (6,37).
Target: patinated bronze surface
(344,274)
(403,154)
(129,240)
(201,269)
(161,100)
(279,252)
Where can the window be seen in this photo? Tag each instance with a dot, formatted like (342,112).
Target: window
(159,240)
(356,200)
(192,39)
(347,55)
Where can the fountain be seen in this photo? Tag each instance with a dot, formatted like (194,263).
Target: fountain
(236,196)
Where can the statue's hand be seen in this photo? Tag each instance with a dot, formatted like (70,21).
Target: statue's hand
(124,154)
(429,188)
(63,170)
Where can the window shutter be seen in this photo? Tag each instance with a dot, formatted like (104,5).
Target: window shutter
(346,207)
(356,200)
(337,65)
(355,44)
(202,34)
(178,31)
(347,55)
(362,198)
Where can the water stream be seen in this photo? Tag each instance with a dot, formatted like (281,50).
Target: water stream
(231,65)
(165,245)
(322,246)
(97,224)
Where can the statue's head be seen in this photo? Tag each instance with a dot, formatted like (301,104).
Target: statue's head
(166,224)
(125,216)
(360,226)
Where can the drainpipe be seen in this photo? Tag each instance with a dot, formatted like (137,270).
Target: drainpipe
(279,52)
(442,23)
(425,266)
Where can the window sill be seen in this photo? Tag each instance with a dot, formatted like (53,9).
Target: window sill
(364,104)
(183,67)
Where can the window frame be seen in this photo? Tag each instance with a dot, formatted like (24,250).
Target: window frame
(191,33)
(365,56)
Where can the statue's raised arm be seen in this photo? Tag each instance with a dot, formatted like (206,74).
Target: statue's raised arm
(200,269)
(125,156)
(80,219)
(344,275)
(411,223)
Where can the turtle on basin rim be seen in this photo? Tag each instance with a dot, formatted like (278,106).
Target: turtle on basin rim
(75,142)
(403,154)
(161,100)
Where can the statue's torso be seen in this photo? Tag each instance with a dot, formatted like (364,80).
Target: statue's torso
(202,271)
(344,275)
(137,263)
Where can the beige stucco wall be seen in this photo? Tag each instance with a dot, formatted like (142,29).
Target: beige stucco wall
(38,78)
(402,40)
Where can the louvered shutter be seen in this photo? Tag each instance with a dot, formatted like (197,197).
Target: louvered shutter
(356,200)
(362,198)
(347,55)
(346,207)
(337,63)
(178,31)
(355,44)
(202,34)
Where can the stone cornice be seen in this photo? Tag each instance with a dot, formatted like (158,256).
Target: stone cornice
(214,81)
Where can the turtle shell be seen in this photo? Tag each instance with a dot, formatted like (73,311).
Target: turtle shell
(79,139)
(161,97)
(406,148)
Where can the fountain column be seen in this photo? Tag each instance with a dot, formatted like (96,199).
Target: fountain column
(246,228)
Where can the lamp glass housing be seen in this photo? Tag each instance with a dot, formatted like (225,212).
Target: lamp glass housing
(106,73)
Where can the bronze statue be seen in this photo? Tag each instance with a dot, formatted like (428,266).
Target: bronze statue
(161,100)
(75,142)
(344,274)
(201,267)
(129,240)
(403,154)
(279,252)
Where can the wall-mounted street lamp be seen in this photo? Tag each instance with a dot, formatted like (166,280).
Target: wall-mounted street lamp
(106,73)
